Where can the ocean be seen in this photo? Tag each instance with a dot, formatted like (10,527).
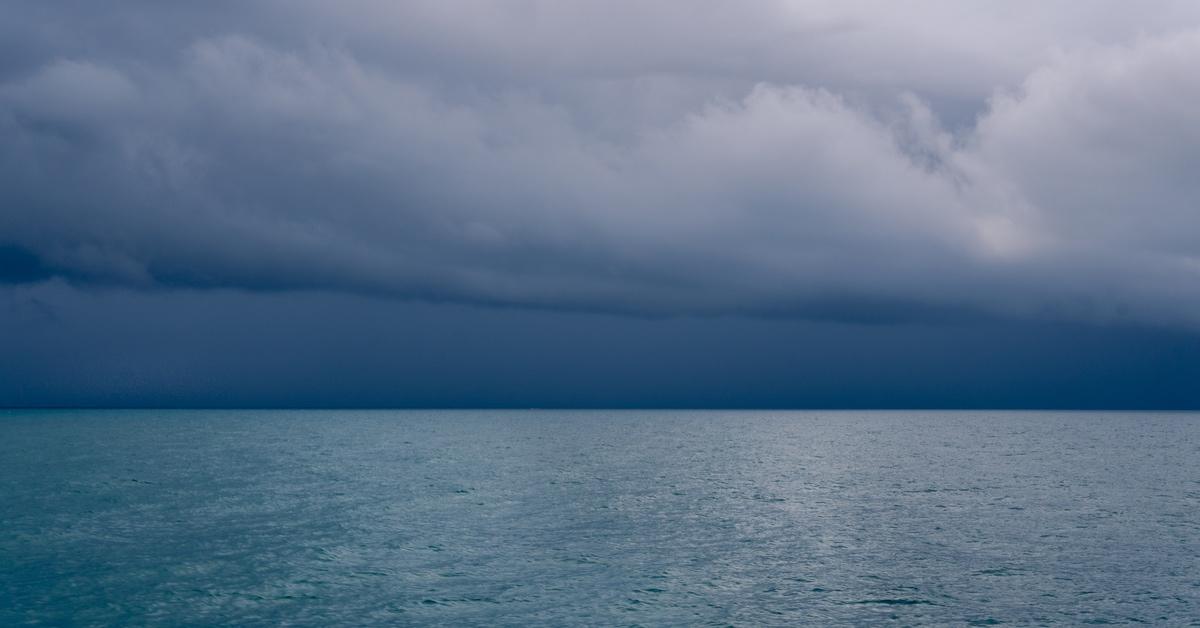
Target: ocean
(598,518)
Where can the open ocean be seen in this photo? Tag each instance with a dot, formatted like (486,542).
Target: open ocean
(552,518)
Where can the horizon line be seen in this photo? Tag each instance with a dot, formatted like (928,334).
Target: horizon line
(615,408)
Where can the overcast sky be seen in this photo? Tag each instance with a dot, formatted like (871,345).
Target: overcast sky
(790,203)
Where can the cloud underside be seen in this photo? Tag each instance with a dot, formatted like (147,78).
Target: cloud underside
(528,158)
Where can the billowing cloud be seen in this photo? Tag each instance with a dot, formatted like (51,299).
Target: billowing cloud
(808,159)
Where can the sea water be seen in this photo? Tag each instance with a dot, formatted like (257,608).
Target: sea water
(527,518)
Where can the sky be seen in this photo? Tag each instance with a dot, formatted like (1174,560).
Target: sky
(536,203)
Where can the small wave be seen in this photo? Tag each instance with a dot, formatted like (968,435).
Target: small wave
(896,602)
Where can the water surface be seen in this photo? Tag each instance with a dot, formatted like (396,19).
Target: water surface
(598,518)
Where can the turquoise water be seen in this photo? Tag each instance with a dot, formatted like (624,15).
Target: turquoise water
(598,518)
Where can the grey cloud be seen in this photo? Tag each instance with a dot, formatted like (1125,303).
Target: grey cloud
(799,159)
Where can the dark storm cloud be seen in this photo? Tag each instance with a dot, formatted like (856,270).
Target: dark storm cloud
(63,347)
(18,265)
(816,159)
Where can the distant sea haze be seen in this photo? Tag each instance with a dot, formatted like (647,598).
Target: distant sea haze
(551,518)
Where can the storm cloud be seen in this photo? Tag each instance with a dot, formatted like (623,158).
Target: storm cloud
(810,160)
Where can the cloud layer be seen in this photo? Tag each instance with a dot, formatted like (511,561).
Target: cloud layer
(807,159)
